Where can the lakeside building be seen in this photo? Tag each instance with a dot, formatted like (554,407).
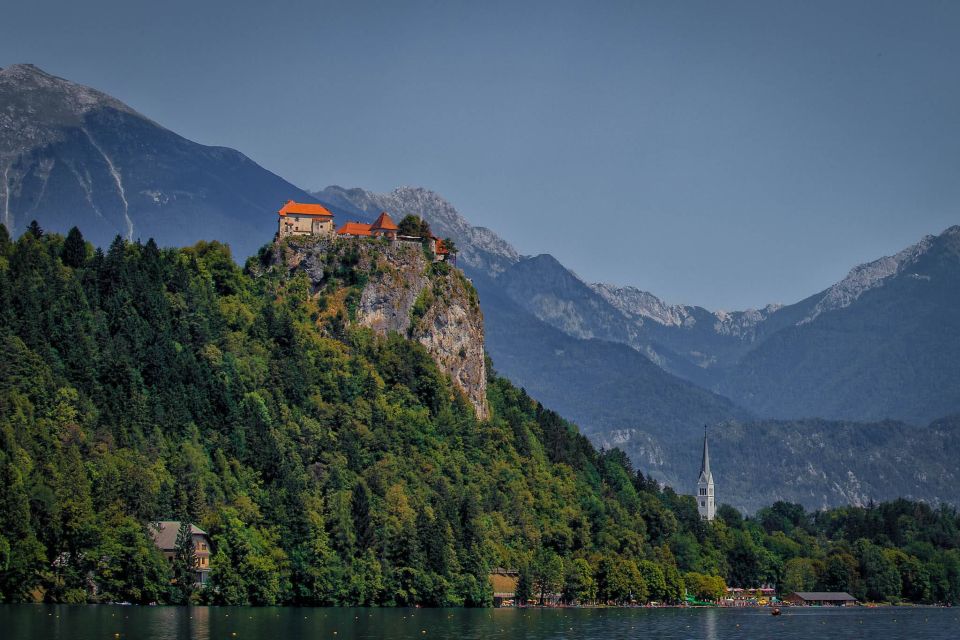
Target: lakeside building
(706,504)
(821,599)
(164,534)
(739,597)
(504,583)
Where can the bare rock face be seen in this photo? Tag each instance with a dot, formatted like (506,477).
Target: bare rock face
(402,290)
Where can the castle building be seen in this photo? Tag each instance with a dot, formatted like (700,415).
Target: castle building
(382,227)
(304,219)
(706,504)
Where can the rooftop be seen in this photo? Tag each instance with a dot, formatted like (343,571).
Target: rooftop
(385,222)
(355,229)
(304,208)
(824,595)
(164,533)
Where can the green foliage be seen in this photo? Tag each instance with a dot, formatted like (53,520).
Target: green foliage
(74,252)
(333,466)
(703,587)
(129,568)
(184,562)
(414,226)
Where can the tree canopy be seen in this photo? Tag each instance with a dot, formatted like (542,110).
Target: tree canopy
(334,466)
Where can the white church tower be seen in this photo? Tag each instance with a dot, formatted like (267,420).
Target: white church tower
(705,498)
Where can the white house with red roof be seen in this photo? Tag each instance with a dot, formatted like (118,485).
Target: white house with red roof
(304,219)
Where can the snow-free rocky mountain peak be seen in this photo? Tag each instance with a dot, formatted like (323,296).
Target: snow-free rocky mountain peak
(874,274)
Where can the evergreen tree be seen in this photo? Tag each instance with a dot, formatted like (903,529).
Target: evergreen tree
(34,229)
(414,226)
(362,522)
(184,562)
(74,252)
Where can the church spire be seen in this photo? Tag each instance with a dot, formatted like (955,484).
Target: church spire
(706,501)
(705,463)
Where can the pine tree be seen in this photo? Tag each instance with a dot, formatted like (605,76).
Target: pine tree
(185,562)
(34,229)
(362,524)
(74,252)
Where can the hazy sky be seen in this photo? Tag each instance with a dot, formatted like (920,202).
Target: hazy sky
(727,154)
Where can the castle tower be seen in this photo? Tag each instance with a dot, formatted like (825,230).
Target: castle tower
(705,498)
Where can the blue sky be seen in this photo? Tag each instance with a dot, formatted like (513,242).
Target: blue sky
(727,154)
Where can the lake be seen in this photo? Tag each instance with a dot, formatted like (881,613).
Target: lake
(106,622)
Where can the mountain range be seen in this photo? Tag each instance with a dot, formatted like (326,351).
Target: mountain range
(877,348)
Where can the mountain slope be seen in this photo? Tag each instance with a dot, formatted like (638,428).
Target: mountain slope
(881,344)
(71,155)
(816,463)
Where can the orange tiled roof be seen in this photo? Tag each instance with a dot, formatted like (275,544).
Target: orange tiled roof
(384,222)
(440,249)
(354,229)
(305,209)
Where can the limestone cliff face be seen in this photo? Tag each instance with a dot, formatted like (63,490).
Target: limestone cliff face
(401,289)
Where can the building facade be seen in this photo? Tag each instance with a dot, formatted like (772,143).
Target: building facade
(164,534)
(304,219)
(821,599)
(706,500)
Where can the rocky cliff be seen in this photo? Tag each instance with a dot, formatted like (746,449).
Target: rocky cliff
(395,286)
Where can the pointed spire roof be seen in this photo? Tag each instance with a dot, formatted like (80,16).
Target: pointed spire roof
(705,475)
(384,222)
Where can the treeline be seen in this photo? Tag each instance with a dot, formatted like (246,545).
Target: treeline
(334,466)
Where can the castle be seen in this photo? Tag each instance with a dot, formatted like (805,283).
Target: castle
(304,219)
(705,498)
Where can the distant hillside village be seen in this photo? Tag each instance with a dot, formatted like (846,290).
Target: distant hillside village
(305,219)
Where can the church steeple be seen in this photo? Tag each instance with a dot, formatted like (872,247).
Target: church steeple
(705,498)
(705,463)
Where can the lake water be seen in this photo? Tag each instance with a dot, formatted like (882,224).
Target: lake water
(37,622)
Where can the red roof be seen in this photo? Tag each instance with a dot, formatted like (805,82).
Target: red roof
(304,209)
(354,229)
(384,222)
(440,249)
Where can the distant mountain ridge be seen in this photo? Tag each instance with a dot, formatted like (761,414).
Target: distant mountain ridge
(72,155)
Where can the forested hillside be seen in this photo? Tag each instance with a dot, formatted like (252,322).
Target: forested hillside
(332,465)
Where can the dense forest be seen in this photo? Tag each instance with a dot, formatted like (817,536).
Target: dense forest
(332,465)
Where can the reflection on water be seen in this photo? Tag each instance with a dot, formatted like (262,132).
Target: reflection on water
(710,624)
(20,622)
